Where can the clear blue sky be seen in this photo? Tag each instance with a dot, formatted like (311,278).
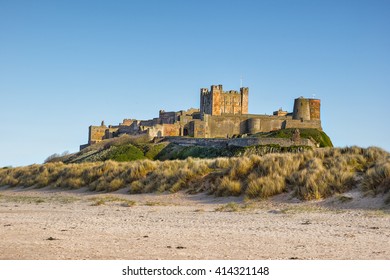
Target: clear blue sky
(65,65)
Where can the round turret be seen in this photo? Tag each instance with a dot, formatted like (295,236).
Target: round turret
(306,109)
(315,109)
(254,126)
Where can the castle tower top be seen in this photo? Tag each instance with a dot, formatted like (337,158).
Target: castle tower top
(218,102)
(218,87)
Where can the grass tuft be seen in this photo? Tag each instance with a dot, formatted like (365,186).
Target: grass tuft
(229,207)
(233,207)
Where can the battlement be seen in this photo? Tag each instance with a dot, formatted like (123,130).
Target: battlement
(216,88)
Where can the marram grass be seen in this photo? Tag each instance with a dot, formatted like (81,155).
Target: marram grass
(310,175)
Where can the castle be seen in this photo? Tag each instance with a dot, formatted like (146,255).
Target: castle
(222,114)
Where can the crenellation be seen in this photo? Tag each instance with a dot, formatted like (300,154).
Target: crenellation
(280,113)
(127,122)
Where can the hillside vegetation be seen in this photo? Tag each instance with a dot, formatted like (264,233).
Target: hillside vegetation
(316,135)
(309,175)
(129,148)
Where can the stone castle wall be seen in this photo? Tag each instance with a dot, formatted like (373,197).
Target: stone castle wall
(228,125)
(303,124)
(96,133)
(240,142)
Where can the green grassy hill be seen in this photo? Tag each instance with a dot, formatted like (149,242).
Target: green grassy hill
(315,135)
(128,148)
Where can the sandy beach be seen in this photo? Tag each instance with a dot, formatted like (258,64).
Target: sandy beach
(53,224)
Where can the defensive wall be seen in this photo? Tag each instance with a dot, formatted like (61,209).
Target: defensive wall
(226,126)
(240,142)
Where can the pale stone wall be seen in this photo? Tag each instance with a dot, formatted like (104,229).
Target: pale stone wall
(226,126)
(96,133)
(167,117)
(171,129)
(241,142)
(198,128)
(127,122)
(162,130)
(111,132)
(303,124)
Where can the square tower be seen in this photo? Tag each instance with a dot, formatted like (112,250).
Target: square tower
(216,102)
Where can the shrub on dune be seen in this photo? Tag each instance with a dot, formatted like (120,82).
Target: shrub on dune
(377,178)
(266,186)
(228,187)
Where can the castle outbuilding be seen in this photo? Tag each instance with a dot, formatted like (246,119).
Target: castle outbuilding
(222,114)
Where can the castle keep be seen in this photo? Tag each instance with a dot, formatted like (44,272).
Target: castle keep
(222,114)
(216,102)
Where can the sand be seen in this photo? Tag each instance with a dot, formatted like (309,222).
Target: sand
(51,224)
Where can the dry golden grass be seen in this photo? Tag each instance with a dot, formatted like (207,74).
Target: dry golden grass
(234,207)
(228,186)
(38,199)
(229,207)
(311,175)
(240,168)
(378,178)
(103,200)
(263,187)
